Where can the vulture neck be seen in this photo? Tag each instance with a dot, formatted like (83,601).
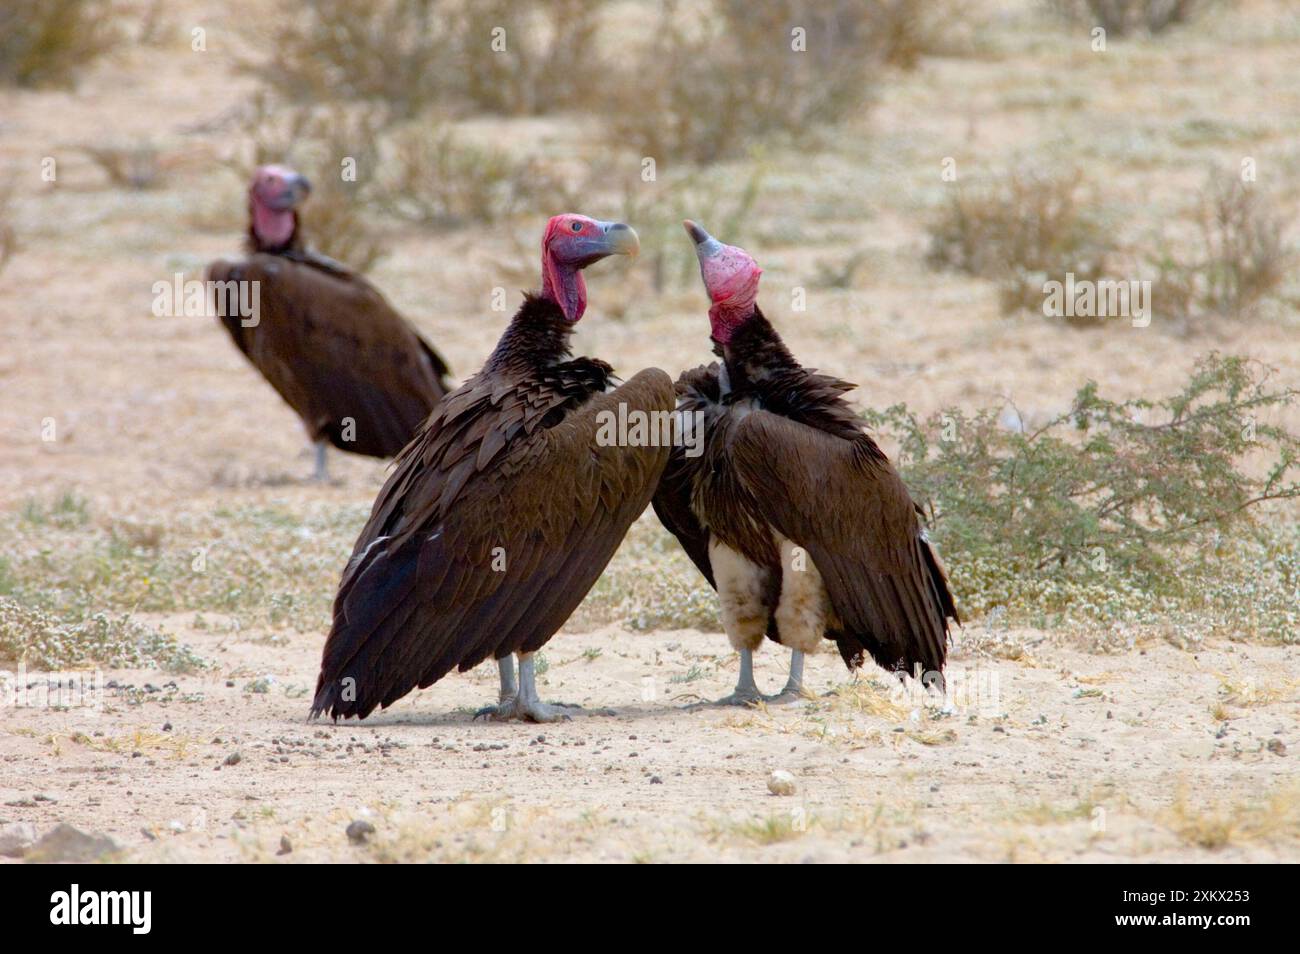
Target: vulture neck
(537,337)
(564,285)
(754,353)
(274,232)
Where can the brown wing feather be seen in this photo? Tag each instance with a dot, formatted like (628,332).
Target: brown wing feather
(427,589)
(850,511)
(334,349)
(697,393)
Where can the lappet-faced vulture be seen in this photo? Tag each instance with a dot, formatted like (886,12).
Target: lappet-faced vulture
(504,510)
(356,372)
(791,511)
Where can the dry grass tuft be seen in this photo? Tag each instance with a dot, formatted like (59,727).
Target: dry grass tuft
(1126,17)
(45,42)
(1240,260)
(1022,232)
(1214,825)
(412,56)
(8,237)
(432,179)
(704,87)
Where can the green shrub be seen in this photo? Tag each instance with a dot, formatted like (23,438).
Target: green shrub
(1108,506)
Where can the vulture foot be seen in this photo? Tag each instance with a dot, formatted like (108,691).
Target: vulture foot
(746,692)
(741,697)
(793,691)
(786,696)
(526,710)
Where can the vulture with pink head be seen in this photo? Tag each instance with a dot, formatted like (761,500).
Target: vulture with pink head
(356,372)
(502,513)
(791,511)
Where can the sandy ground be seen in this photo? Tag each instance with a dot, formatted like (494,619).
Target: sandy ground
(1158,754)
(1062,756)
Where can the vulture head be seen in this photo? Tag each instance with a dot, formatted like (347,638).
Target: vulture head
(273,200)
(731,279)
(571,243)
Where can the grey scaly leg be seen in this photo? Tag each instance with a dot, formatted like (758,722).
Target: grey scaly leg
(746,692)
(793,690)
(506,669)
(524,703)
(321,474)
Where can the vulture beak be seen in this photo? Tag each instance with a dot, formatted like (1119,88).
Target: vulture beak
(706,246)
(619,239)
(296,189)
(610,238)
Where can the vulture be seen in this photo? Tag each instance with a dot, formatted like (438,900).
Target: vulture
(790,510)
(356,372)
(503,511)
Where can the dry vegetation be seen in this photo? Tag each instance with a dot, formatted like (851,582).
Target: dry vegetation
(1125,17)
(1239,258)
(45,42)
(1023,230)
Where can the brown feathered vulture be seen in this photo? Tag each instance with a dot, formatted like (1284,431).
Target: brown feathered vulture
(504,510)
(791,511)
(356,372)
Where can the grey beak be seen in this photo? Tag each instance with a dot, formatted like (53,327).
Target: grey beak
(705,244)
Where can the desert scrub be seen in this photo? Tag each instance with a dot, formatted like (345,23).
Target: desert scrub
(705,87)
(1116,510)
(40,641)
(408,57)
(431,178)
(1022,231)
(1125,17)
(266,566)
(1235,262)
(45,42)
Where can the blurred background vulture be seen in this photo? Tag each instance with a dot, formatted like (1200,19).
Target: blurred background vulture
(356,372)
(792,512)
(504,510)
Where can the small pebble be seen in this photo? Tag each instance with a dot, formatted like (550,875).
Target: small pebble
(359,831)
(781,782)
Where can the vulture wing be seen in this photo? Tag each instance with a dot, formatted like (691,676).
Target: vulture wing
(496,522)
(846,506)
(335,350)
(697,393)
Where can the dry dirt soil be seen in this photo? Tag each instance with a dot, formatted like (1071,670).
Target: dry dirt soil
(1159,753)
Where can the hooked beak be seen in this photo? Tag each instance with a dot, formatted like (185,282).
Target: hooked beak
(705,244)
(614,238)
(296,189)
(620,239)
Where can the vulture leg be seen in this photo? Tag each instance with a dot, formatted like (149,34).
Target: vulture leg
(506,669)
(321,475)
(746,692)
(524,704)
(793,690)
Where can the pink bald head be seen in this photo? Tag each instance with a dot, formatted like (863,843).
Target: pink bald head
(731,279)
(570,244)
(273,198)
